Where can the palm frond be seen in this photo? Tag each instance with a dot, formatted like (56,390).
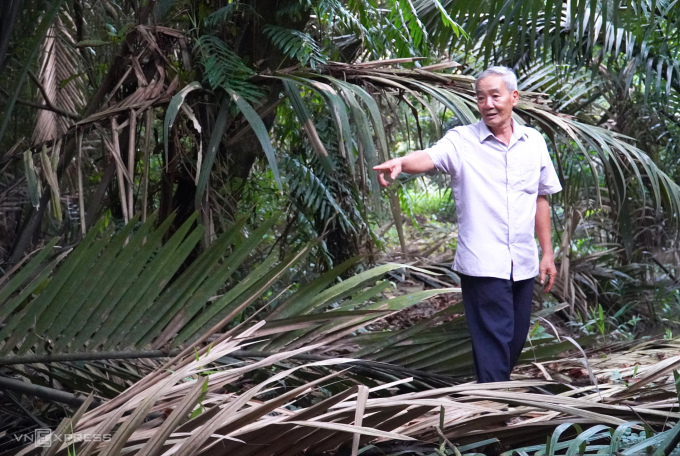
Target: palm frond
(202,404)
(173,109)
(261,132)
(58,316)
(211,153)
(314,192)
(59,78)
(305,118)
(296,45)
(34,48)
(224,69)
(226,13)
(615,151)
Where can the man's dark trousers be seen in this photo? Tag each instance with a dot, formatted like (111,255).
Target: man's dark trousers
(497,311)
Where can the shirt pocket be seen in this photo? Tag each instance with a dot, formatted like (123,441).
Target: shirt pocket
(529,173)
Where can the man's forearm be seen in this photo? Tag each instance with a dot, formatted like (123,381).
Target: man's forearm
(416,162)
(547,264)
(543,232)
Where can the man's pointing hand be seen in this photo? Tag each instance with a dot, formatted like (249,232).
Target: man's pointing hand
(390,169)
(413,163)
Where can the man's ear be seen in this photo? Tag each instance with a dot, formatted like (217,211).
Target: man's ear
(515,97)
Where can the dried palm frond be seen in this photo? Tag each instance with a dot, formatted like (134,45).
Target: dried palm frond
(34,45)
(59,82)
(196,403)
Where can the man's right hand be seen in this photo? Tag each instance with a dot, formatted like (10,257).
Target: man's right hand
(390,169)
(413,163)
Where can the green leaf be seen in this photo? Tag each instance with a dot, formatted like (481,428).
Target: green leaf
(617,436)
(578,445)
(32,179)
(171,302)
(552,446)
(308,124)
(22,325)
(145,292)
(173,109)
(261,132)
(224,69)
(35,266)
(211,153)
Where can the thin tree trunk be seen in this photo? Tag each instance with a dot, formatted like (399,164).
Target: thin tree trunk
(8,18)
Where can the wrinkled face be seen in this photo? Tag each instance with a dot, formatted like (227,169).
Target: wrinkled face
(495,101)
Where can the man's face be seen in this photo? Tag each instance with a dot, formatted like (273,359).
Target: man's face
(495,101)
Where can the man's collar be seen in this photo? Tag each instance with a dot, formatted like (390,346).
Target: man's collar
(518,131)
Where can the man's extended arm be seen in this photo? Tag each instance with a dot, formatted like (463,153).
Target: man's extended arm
(413,163)
(543,233)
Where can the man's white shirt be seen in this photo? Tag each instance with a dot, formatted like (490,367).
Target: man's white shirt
(495,187)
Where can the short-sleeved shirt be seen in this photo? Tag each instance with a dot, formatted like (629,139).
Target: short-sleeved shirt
(495,187)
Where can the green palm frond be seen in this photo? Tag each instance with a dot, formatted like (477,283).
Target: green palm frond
(62,312)
(221,15)
(261,132)
(578,34)
(353,28)
(355,113)
(338,149)
(49,310)
(226,14)
(223,69)
(297,45)
(571,91)
(314,194)
(408,30)
(305,118)
(608,153)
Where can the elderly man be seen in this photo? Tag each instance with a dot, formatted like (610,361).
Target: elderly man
(500,173)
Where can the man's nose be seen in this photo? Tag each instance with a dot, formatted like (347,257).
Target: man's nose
(488,103)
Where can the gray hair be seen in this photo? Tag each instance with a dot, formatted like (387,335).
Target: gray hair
(506,73)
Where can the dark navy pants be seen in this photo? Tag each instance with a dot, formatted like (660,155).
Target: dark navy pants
(497,312)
